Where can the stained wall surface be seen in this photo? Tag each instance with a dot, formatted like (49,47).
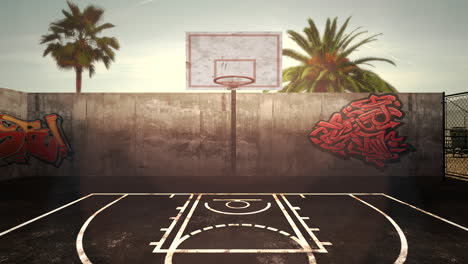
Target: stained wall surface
(188,134)
(13,103)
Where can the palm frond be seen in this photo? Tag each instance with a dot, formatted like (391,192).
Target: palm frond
(346,53)
(301,41)
(316,81)
(50,37)
(367,59)
(295,55)
(93,14)
(313,33)
(348,38)
(91,70)
(100,28)
(75,10)
(341,31)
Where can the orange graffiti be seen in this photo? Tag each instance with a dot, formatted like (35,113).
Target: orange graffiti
(21,139)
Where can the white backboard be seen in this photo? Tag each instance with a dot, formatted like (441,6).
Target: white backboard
(253,54)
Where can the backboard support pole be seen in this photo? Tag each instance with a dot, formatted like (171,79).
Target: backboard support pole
(233,132)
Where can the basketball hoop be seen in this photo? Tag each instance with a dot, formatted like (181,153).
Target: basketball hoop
(234,81)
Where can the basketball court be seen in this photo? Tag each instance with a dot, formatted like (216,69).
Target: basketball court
(230,218)
(235,227)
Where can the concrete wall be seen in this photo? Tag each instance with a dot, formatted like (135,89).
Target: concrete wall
(188,134)
(15,104)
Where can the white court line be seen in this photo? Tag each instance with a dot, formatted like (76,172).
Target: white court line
(175,243)
(302,241)
(79,239)
(236,251)
(172,195)
(426,212)
(185,223)
(235,200)
(404,244)
(306,227)
(42,216)
(174,222)
(195,232)
(238,193)
(229,213)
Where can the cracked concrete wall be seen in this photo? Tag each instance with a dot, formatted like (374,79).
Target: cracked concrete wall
(273,129)
(140,134)
(185,134)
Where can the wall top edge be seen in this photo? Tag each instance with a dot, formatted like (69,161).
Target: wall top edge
(11,90)
(219,93)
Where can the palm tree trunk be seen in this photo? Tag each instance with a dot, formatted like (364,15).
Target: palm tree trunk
(79,71)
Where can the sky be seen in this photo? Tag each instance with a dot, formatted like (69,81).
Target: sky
(428,39)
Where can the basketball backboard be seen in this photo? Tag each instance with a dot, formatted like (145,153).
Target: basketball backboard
(256,55)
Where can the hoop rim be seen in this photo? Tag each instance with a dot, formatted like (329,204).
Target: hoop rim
(219,80)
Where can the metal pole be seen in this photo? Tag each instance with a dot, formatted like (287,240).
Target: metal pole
(444,124)
(233,132)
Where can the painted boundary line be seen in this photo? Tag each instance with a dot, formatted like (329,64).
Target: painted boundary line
(177,240)
(426,212)
(300,238)
(306,227)
(174,222)
(79,239)
(269,194)
(162,194)
(44,215)
(403,242)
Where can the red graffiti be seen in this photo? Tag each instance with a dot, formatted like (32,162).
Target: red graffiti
(364,129)
(21,139)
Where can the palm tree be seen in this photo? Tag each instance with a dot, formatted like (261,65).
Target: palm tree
(326,67)
(74,44)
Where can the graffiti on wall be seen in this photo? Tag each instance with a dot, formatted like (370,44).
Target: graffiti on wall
(43,140)
(365,129)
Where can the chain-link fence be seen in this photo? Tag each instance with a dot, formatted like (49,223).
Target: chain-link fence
(456,135)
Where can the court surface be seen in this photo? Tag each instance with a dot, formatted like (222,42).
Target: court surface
(227,228)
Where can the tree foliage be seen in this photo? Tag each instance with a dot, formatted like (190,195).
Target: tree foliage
(325,65)
(74,41)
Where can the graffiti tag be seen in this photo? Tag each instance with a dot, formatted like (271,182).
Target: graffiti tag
(364,129)
(19,140)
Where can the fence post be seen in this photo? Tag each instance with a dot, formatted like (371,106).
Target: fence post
(444,124)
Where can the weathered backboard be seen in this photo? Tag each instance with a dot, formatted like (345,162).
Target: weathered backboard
(253,54)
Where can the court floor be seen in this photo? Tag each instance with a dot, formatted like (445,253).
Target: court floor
(230,228)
